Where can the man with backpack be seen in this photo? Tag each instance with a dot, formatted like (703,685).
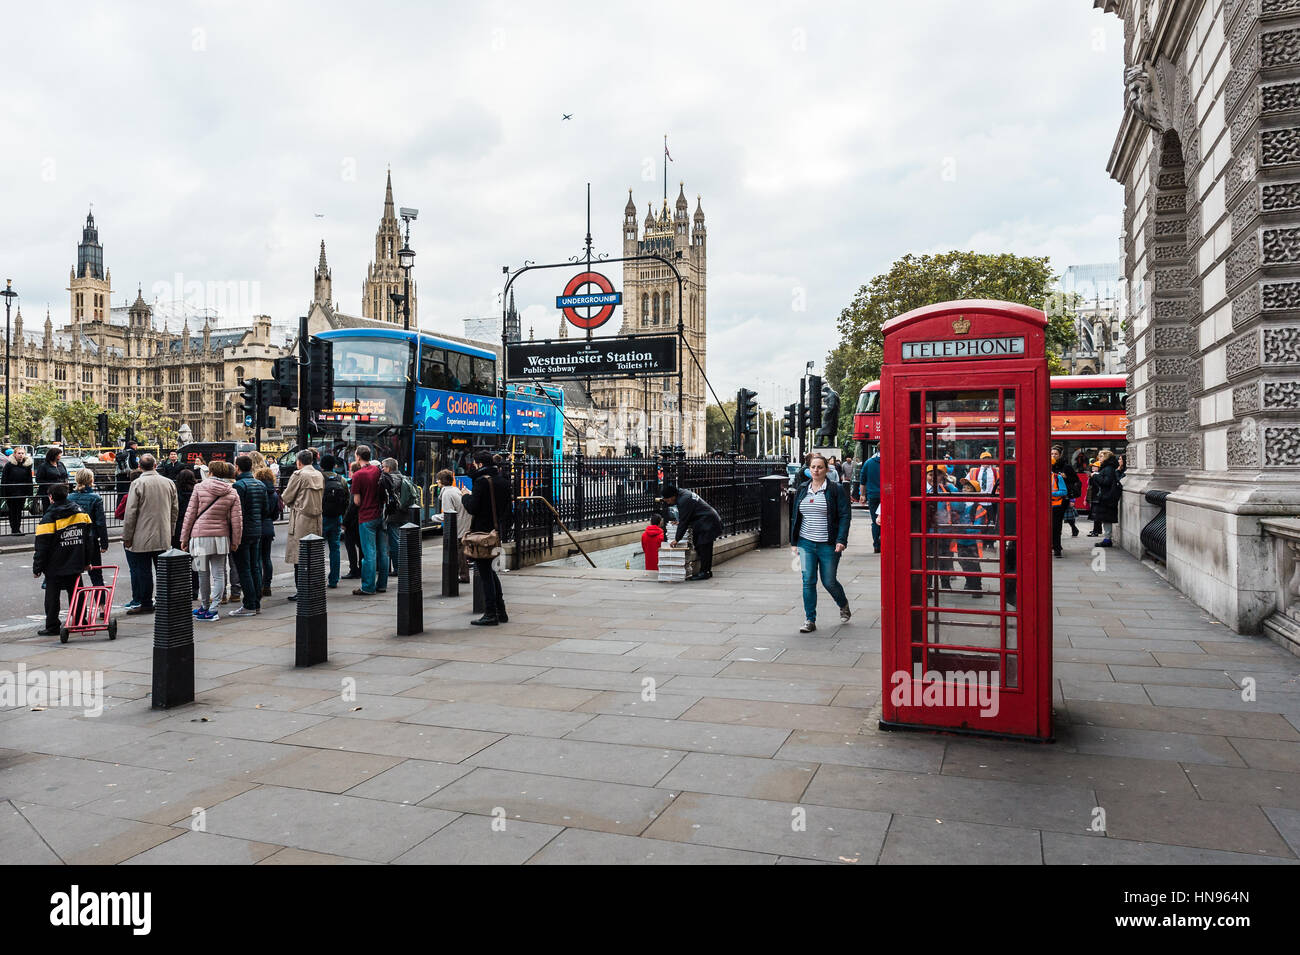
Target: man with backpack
(1073,488)
(399,498)
(334,505)
(248,555)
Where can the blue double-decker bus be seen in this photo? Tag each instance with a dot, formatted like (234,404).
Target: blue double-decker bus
(431,402)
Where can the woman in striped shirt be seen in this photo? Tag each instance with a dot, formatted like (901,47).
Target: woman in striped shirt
(819,532)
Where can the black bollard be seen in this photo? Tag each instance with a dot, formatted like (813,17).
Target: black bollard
(410,581)
(312,645)
(173,631)
(450,556)
(478,587)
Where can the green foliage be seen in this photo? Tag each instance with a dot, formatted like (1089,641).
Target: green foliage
(914,281)
(77,419)
(29,411)
(717,428)
(154,427)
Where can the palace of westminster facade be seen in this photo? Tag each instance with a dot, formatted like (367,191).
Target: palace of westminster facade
(119,354)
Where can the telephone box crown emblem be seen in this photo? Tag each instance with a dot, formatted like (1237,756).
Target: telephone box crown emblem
(961,325)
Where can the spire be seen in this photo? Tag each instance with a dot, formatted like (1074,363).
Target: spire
(649,215)
(681,201)
(630,208)
(322,268)
(388,197)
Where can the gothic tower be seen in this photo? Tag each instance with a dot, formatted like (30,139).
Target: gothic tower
(323,294)
(650,306)
(90,284)
(384,275)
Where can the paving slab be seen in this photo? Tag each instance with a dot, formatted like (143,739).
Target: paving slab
(906,751)
(681,734)
(410,781)
(772,779)
(1194,823)
(481,840)
(205,848)
(20,842)
(803,716)
(437,743)
(804,831)
(608,762)
(1065,849)
(917,840)
(322,822)
(87,838)
(994,802)
(554,800)
(583,847)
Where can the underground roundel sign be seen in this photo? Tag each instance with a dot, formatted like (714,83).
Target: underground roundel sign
(593,295)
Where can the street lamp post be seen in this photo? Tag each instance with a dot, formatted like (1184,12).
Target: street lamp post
(406,260)
(9,295)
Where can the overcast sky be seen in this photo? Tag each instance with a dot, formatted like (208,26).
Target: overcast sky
(826,139)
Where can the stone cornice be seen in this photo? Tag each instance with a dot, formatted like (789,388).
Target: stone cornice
(1128,142)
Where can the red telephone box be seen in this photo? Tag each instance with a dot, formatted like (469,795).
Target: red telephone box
(966,583)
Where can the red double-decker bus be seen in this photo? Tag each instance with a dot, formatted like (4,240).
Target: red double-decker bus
(1088,415)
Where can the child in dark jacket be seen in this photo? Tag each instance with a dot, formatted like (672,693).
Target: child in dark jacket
(651,539)
(65,546)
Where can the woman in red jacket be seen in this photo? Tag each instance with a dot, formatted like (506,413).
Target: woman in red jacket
(214,526)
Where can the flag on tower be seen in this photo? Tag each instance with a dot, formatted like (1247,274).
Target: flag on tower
(666,152)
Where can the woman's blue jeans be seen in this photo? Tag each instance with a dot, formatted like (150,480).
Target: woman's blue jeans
(819,557)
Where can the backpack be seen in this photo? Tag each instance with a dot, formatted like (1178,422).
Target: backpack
(392,486)
(335,500)
(1073,486)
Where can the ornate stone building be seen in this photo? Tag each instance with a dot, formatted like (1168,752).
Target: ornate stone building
(645,414)
(384,274)
(117,354)
(1208,152)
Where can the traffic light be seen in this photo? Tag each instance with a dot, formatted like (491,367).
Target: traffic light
(268,394)
(285,371)
(803,418)
(814,419)
(829,424)
(790,429)
(320,374)
(249,402)
(746,410)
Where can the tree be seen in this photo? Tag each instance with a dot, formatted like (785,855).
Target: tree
(717,428)
(29,411)
(153,425)
(914,281)
(77,419)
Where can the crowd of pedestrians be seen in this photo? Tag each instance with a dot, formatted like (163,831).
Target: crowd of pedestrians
(223,515)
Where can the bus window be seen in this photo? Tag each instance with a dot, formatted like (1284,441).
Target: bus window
(359,359)
(433,368)
(868,402)
(461,372)
(484,379)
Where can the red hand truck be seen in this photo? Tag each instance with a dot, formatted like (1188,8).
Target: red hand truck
(91,608)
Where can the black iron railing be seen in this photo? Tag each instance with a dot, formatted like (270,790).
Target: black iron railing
(589,492)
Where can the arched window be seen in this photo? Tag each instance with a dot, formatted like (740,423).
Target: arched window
(239,374)
(656,299)
(645,309)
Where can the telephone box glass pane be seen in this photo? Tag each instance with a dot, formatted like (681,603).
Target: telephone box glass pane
(955,629)
(987,665)
(1012,636)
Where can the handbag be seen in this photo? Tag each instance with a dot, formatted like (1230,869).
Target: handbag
(480,545)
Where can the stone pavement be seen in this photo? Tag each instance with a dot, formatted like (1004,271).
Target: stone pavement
(531,742)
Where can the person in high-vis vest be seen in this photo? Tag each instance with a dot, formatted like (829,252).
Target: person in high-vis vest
(970,550)
(1059,497)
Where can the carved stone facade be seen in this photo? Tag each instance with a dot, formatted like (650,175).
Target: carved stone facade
(118,354)
(1209,154)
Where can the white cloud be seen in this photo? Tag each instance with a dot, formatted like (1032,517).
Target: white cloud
(818,135)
